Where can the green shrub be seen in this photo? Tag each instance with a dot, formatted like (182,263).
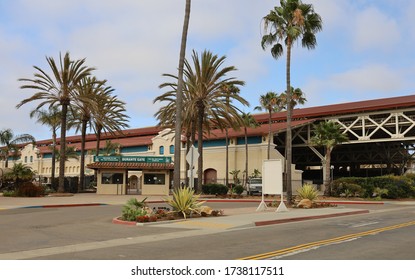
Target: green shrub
(396,186)
(347,189)
(184,201)
(133,208)
(9,193)
(217,189)
(307,191)
(28,189)
(238,189)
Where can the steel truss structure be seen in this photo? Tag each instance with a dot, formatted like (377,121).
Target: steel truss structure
(380,142)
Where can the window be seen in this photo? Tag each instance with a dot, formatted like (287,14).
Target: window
(112,178)
(171,149)
(25,159)
(31,158)
(161,150)
(154,179)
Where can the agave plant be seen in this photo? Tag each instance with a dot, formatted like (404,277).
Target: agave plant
(184,201)
(307,191)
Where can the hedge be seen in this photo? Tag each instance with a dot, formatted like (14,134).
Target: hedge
(396,186)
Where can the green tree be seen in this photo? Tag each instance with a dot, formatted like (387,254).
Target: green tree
(20,173)
(248,122)
(291,21)
(206,104)
(298,98)
(58,89)
(51,118)
(205,82)
(328,134)
(11,142)
(179,101)
(270,102)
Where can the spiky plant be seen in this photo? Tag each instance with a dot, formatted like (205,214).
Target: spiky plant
(184,201)
(308,191)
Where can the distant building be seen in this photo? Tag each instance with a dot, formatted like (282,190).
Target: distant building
(381,133)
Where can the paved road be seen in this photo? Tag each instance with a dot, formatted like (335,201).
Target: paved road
(87,233)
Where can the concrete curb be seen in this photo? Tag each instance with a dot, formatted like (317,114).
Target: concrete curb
(304,218)
(65,205)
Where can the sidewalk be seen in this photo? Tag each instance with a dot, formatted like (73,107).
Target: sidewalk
(235,217)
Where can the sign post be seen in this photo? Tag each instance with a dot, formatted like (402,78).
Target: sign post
(272,182)
(191,158)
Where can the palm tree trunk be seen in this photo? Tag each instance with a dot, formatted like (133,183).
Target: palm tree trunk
(52,175)
(98,140)
(288,143)
(200,146)
(81,185)
(327,182)
(226,158)
(179,99)
(269,135)
(61,187)
(246,156)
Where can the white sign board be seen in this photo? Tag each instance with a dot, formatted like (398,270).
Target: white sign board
(272,176)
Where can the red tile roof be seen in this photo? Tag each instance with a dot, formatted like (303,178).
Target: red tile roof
(344,108)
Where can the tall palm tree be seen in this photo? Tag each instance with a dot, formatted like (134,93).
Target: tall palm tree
(206,105)
(236,122)
(110,115)
(88,92)
(297,98)
(58,89)
(271,102)
(205,82)
(248,121)
(11,142)
(286,24)
(51,118)
(328,135)
(179,102)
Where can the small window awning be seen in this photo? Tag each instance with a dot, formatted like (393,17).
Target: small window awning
(131,166)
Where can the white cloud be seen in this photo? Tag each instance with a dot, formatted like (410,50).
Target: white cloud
(375,30)
(356,84)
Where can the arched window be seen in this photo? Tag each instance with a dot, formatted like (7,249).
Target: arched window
(31,158)
(171,149)
(25,159)
(161,150)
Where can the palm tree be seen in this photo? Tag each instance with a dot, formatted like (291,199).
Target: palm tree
(11,142)
(70,153)
(179,101)
(110,148)
(235,123)
(285,25)
(205,83)
(59,89)
(297,98)
(248,121)
(88,93)
(20,173)
(110,115)
(51,118)
(328,135)
(272,103)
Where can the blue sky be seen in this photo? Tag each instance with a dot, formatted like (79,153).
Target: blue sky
(365,51)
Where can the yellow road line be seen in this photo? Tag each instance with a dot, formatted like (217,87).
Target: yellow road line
(325,242)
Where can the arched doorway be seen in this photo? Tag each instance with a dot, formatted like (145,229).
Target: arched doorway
(134,186)
(210,175)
